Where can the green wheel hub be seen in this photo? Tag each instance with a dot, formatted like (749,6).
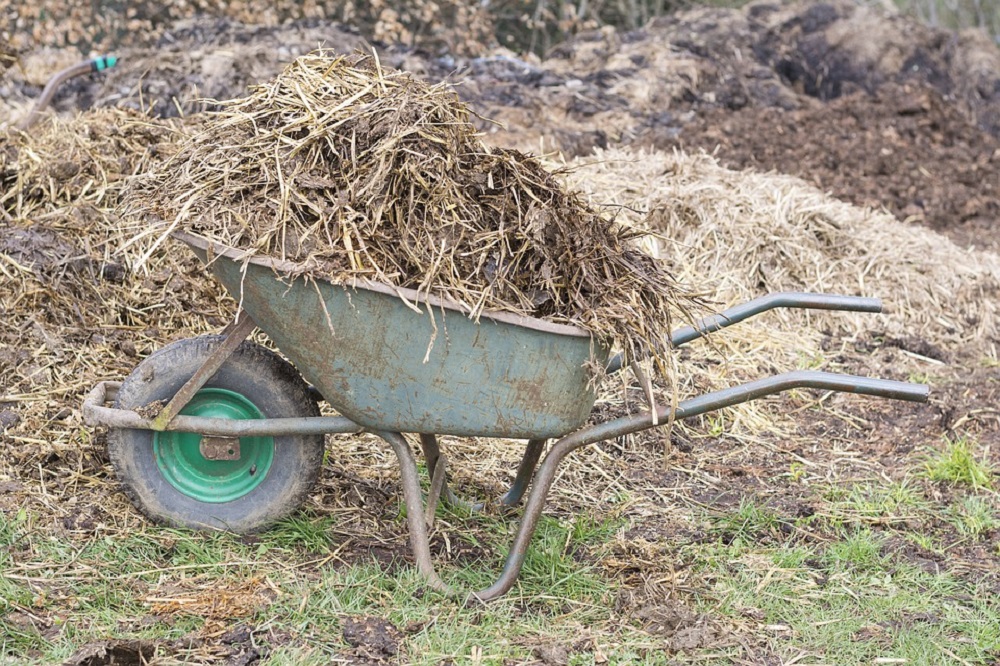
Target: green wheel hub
(180,460)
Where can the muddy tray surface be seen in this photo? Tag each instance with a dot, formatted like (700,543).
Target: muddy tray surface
(895,116)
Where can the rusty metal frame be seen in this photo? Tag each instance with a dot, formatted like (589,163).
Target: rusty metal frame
(233,336)
(96,413)
(625,425)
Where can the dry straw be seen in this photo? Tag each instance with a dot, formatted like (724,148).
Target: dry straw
(72,313)
(742,234)
(353,170)
(61,185)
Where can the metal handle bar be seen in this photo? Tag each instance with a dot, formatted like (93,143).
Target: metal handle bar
(95,412)
(634,423)
(737,313)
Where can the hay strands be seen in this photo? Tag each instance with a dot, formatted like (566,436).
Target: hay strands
(358,171)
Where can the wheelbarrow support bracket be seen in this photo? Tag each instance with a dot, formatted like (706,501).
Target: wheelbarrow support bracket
(235,333)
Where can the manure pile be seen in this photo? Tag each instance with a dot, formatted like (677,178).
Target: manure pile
(62,184)
(72,313)
(75,315)
(352,170)
(741,234)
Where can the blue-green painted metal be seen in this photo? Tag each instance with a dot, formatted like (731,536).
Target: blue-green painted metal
(418,367)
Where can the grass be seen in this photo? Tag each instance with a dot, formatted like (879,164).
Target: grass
(847,600)
(850,603)
(874,503)
(848,597)
(957,464)
(867,574)
(975,516)
(852,581)
(180,583)
(750,523)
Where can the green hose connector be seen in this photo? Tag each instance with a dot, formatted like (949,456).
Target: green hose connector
(104,62)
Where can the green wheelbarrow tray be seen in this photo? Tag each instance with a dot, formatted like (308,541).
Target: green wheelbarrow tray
(392,362)
(392,359)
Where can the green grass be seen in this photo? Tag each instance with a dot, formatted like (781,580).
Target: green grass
(89,591)
(957,464)
(837,587)
(834,586)
(849,602)
(894,502)
(301,531)
(975,516)
(749,523)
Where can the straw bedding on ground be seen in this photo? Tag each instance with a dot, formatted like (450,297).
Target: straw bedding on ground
(72,313)
(74,309)
(741,234)
(352,171)
(62,185)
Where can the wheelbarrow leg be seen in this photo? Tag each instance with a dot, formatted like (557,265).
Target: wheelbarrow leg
(532,512)
(525,470)
(532,452)
(419,541)
(624,425)
(432,454)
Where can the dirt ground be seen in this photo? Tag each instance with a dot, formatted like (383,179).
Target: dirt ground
(895,115)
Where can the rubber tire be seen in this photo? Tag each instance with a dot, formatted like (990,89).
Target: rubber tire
(262,377)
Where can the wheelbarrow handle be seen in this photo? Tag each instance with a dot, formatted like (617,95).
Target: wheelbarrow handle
(738,313)
(644,421)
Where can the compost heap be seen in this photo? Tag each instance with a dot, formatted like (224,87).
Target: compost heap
(740,234)
(352,170)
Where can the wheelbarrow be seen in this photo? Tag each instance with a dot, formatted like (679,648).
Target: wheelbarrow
(218,432)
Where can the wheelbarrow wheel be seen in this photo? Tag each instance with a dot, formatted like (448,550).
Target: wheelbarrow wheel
(173,478)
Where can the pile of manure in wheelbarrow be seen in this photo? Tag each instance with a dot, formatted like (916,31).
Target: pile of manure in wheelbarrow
(350,170)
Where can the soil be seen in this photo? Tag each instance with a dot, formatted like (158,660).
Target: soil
(113,653)
(374,639)
(903,147)
(879,110)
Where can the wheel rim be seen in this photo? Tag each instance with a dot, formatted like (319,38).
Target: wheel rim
(179,458)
